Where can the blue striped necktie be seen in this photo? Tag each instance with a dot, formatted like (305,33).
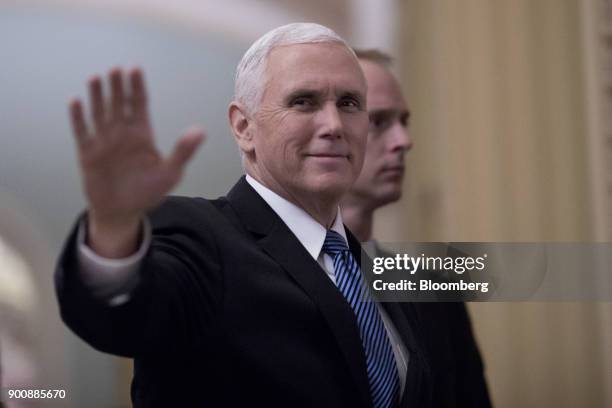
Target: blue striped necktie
(380,360)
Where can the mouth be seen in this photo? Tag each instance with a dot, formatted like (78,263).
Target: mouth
(394,168)
(394,171)
(329,156)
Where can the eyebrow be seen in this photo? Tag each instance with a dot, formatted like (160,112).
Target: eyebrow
(390,112)
(314,93)
(302,92)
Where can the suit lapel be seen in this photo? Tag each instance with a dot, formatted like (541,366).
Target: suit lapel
(417,367)
(275,238)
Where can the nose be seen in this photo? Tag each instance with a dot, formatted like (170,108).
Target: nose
(400,139)
(330,121)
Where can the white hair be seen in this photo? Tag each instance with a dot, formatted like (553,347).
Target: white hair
(249,80)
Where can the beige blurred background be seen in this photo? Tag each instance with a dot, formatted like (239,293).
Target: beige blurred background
(512,108)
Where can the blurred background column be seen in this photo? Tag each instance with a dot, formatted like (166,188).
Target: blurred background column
(507,148)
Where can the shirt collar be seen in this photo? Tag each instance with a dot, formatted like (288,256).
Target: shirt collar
(307,230)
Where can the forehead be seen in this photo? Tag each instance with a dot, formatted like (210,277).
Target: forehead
(312,66)
(384,90)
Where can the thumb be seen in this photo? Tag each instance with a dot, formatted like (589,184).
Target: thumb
(186,147)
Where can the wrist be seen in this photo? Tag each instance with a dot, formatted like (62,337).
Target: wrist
(113,237)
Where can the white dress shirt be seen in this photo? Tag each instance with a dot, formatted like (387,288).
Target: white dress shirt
(114,279)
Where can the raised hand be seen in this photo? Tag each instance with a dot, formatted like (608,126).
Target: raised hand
(123,173)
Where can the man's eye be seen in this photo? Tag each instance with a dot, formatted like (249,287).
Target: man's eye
(302,102)
(350,103)
(378,122)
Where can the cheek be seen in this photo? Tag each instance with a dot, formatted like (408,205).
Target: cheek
(379,147)
(276,133)
(367,169)
(359,136)
(369,158)
(372,158)
(297,136)
(361,150)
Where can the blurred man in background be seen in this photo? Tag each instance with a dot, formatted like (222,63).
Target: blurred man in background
(380,180)
(454,359)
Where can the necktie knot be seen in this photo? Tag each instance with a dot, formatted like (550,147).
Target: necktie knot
(334,243)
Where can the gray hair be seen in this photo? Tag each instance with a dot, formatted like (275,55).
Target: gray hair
(249,80)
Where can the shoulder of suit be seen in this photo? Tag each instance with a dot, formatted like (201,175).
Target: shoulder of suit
(193,203)
(185,211)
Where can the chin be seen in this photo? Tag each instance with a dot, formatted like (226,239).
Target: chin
(389,196)
(329,185)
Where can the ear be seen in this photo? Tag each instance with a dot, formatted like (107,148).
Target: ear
(242,127)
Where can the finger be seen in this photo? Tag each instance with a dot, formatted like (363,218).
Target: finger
(138,97)
(118,101)
(185,148)
(79,128)
(96,99)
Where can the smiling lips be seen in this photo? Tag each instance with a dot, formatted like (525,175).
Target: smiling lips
(328,155)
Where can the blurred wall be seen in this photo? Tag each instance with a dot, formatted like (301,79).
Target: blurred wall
(503,153)
(48,53)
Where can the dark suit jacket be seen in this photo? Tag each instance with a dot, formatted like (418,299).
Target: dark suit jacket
(457,369)
(451,351)
(445,332)
(232,311)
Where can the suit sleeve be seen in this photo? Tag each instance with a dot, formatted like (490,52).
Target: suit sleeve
(111,279)
(179,278)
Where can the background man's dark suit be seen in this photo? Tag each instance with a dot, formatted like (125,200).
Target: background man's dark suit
(231,310)
(457,368)
(453,356)
(444,332)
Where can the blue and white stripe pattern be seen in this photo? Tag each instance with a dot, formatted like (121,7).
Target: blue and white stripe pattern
(380,360)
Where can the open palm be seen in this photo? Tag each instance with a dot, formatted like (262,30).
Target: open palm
(123,173)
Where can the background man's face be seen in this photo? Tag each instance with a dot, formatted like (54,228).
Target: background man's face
(311,128)
(380,181)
